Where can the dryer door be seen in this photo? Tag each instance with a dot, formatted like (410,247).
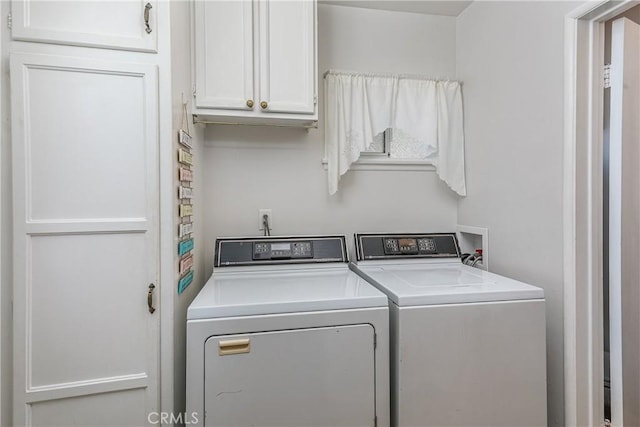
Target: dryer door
(302,377)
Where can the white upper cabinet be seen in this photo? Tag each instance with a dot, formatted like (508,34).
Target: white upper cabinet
(116,24)
(287,56)
(255,62)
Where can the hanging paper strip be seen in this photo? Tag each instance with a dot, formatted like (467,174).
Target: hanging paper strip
(185,246)
(185,174)
(184,229)
(185,264)
(185,157)
(185,139)
(185,281)
(185,192)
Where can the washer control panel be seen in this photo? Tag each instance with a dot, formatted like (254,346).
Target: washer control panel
(409,245)
(380,246)
(282,250)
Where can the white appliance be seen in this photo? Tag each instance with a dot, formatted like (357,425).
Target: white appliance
(285,334)
(467,346)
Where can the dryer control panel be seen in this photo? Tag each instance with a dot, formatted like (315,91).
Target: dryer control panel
(381,246)
(244,251)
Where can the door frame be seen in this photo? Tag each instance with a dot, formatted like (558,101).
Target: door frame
(583,210)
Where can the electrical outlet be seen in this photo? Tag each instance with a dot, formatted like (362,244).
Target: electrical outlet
(261,214)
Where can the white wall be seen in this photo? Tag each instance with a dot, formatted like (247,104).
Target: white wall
(248,168)
(181,88)
(510,57)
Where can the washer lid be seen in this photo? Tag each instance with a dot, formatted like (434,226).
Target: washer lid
(446,283)
(256,292)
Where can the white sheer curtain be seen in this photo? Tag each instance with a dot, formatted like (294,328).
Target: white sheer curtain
(426,113)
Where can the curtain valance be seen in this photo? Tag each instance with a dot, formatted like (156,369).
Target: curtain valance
(359,106)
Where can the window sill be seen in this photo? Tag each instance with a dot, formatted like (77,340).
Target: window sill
(388,164)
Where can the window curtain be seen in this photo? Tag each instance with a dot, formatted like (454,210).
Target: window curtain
(426,113)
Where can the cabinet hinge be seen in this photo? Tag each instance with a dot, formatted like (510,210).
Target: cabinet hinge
(10,20)
(607,76)
(194,91)
(375,341)
(315,99)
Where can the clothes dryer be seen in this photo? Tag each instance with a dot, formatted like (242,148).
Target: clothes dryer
(285,334)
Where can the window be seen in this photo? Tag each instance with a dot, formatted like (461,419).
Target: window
(393,120)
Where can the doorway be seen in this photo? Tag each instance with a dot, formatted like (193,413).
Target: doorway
(591,382)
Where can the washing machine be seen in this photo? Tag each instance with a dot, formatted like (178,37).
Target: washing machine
(467,346)
(285,334)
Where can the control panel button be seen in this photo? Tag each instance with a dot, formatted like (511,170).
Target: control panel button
(391,246)
(427,245)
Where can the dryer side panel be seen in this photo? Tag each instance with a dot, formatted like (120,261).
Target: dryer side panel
(303,377)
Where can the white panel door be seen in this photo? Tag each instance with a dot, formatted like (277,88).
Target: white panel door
(115,24)
(224,54)
(85,195)
(288,56)
(624,224)
(303,377)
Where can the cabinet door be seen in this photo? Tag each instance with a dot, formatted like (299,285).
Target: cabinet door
(288,56)
(303,377)
(114,24)
(224,54)
(85,196)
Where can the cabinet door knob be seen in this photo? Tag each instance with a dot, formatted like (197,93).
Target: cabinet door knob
(147,8)
(250,103)
(264,105)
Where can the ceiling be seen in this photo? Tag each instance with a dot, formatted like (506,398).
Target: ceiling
(448,8)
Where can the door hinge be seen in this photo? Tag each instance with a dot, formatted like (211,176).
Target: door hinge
(194,91)
(375,341)
(607,76)
(315,99)
(10,20)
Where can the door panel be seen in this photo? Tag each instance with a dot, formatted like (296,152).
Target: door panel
(91,170)
(287,56)
(118,408)
(85,197)
(224,54)
(109,24)
(624,224)
(75,287)
(306,377)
